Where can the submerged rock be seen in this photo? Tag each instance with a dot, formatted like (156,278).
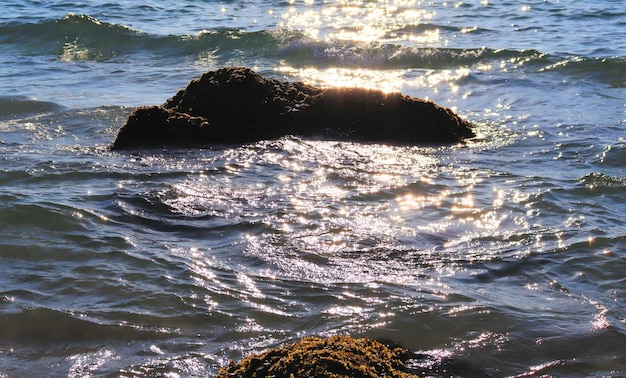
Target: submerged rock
(337,356)
(236,105)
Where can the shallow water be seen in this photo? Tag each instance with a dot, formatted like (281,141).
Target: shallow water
(503,257)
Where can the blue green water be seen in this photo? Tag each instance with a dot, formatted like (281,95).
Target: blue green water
(502,257)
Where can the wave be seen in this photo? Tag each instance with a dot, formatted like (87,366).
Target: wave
(302,52)
(82,37)
(97,39)
(47,325)
(611,71)
(21,105)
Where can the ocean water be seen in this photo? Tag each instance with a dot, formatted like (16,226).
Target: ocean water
(505,256)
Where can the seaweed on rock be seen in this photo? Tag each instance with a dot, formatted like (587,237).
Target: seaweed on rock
(334,357)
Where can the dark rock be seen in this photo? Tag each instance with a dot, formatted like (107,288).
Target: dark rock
(334,357)
(236,105)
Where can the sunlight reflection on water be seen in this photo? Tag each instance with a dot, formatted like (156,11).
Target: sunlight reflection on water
(385,80)
(409,209)
(359,21)
(371,25)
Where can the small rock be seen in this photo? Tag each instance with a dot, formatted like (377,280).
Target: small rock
(334,357)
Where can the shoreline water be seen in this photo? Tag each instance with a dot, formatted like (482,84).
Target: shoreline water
(506,253)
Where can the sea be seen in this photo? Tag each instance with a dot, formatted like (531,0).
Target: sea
(504,256)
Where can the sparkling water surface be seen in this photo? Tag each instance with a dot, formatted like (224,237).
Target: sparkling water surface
(504,256)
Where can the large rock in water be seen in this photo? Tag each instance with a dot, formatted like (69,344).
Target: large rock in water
(236,105)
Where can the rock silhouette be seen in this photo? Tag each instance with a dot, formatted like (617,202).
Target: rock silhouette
(236,105)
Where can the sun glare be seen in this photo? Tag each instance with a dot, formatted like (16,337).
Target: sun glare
(356,37)
(387,81)
(351,20)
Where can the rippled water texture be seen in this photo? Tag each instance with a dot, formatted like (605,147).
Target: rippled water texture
(504,256)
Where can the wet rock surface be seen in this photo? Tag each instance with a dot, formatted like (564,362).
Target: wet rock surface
(236,105)
(337,356)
